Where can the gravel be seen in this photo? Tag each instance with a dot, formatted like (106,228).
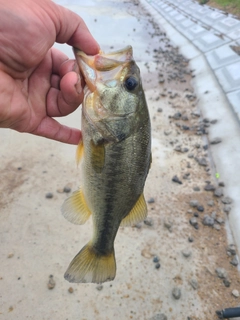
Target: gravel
(194,284)
(176,293)
(218,192)
(234,261)
(216,141)
(159,316)
(221,273)
(235,293)
(186,253)
(208,221)
(176,179)
(226,200)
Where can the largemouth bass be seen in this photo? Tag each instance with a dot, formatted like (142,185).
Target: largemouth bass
(115,158)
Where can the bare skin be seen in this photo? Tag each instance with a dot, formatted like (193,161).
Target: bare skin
(38,82)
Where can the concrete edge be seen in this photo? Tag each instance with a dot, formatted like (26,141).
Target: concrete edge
(214,105)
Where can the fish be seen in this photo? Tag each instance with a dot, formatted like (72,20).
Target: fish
(114,156)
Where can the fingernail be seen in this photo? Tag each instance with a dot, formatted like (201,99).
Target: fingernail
(78,85)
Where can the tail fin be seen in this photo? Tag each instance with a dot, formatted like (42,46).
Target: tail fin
(89,266)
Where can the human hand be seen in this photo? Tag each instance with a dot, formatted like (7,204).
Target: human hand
(38,82)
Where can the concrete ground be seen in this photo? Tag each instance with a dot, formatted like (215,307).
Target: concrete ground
(36,241)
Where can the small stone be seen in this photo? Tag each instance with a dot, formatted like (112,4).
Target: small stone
(227,282)
(194,203)
(193,221)
(202,162)
(176,293)
(227,208)
(51,282)
(159,110)
(208,221)
(155,259)
(200,208)
(159,316)
(216,141)
(177,116)
(234,261)
(157,266)
(214,214)
(221,273)
(176,179)
(70,290)
(235,293)
(151,200)
(196,189)
(167,132)
(10,255)
(66,189)
(218,192)
(190,155)
(214,121)
(209,187)
(217,227)
(185,127)
(231,250)
(184,118)
(149,222)
(190,239)
(168,224)
(226,200)
(194,284)
(186,253)
(196,214)
(210,203)
(49,195)
(205,147)
(220,220)
(221,184)
(99,287)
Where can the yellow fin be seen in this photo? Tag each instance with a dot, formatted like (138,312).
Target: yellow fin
(79,152)
(137,214)
(75,208)
(97,156)
(90,266)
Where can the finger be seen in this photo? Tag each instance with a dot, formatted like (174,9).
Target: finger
(51,129)
(55,81)
(71,29)
(61,103)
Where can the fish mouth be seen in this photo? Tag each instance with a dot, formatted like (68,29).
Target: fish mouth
(102,67)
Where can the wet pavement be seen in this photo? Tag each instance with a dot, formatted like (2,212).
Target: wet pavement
(175,265)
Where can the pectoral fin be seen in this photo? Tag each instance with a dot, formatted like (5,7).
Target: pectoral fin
(137,214)
(97,156)
(79,152)
(75,208)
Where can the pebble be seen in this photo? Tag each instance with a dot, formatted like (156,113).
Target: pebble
(70,290)
(227,282)
(151,200)
(231,250)
(159,316)
(221,184)
(193,221)
(186,253)
(209,187)
(159,110)
(155,259)
(196,188)
(157,265)
(49,195)
(227,208)
(190,155)
(67,189)
(177,116)
(176,179)
(235,293)
(190,239)
(221,273)
(51,282)
(214,121)
(217,227)
(220,220)
(234,261)
(168,224)
(200,208)
(167,132)
(202,162)
(208,221)
(149,222)
(210,203)
(176,293)
(216,141)
(194,203)
(99,287)
(218,192)
(226,200)
(194,284)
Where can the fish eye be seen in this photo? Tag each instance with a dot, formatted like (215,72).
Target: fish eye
(131,83)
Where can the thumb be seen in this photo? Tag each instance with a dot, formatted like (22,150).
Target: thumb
(71,29)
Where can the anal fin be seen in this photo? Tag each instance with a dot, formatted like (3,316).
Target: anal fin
(75,208)
(137,214)
(79,152)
